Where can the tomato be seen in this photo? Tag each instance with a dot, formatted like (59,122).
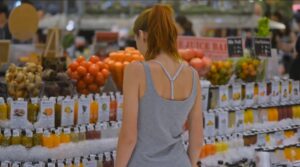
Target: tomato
(86,64)
(81,71)
(73,66)
(81,84)
(94,69)
(105,73)
(106,66)
(74,75)
(80,59)
(100,79)
(93,88)
(94,59)
(88,79)
(100,64)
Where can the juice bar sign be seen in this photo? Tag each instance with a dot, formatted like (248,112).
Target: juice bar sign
(262,47)
(214,48)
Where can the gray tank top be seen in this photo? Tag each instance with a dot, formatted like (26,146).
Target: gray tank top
(160,126)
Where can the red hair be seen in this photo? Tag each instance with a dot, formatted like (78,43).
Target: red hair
(158,22)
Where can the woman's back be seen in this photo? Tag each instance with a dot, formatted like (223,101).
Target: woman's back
(162,114)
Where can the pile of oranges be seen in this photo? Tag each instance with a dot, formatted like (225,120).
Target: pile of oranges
(247,68)
(89,75)
(117,61)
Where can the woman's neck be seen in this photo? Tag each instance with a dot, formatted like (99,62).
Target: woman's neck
(163,57)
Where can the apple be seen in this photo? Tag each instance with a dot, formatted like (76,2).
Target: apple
(197,63)
(199,53)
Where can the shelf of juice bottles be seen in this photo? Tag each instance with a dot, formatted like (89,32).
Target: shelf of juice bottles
(60,111)
(106,159)
(238,119)
(54,137)
(250,94)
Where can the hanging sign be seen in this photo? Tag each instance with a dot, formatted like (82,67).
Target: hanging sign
(235,46)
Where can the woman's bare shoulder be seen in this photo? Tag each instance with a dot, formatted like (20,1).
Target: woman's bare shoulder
(135,69)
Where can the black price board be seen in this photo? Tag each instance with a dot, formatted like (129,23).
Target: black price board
(235,46)
(262,47)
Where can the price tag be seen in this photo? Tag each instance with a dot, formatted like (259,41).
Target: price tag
(67,113)
(209,119)
(119,107)
(84,111)
(261,139)
(18,114)
(239,120)
(223,123)
(249,94)
(295,90)
(235,46)
(285,91)
(223,96)
(103,113)
(275,92)
(262,47)
(262,92)
(236,94)
(47,114)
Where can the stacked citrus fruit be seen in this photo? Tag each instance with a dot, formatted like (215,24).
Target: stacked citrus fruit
(220,72)
(117,61)
(90,74)
(247,68)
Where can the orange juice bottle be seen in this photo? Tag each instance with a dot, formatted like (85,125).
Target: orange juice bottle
(113,108)
(3,109)
(75,109)
(47,140)
(288,154)
(297,157)
(55,135)
(65,136)
(94,111)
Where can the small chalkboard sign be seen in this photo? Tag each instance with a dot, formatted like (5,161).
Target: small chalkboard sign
(262,47)
(235,46)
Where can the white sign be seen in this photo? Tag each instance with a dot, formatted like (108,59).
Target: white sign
(18,114)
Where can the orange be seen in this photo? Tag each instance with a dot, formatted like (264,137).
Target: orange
(86,64)
(127,49)
(100,79)
(81,84)
(73,66)
(100,64)
(105,73)
(94,59)
(81,71)
(80,59)
(94,69)
(74,75)
(88,79)
(93,88)
(106,66)
(136,57)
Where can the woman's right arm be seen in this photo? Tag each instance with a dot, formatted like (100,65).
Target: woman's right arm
(195,124)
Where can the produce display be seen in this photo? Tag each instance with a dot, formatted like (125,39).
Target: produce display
(117,61)
(196,58)
(220,72)
(24,82)
(89,75)
(247,68)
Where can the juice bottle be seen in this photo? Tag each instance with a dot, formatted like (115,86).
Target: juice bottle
(65,136)
(113,108)
(55,135)
(75,135)
(37,137)
(94,111)
(33,109)
(288,153)
(3,109)
(9,100)
(99,159)
(219,145)
(27,138)
(108,160)
(16,137)
(82,131)
(58,111)
(231,119)
(75,109)
(6,139)
(47,140)
(1,137)
(90,132)
(97,131)
(297,157)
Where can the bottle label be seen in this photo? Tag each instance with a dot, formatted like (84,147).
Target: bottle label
(67,112)
(34,100)
(275,92)
(239,121)
(18,114)
(16,133)
(261,139)
(97,127)
(249,94)
(46,133)
(47,114)
(119,107)
(104,107)
(91,163)
(223,96)
(82,129)
(28,133)
(285,95)
(295,90)
(7,133)
(262,93)
(2,102)
(279,137)
(90,127)
(76,130)
(39,130)
(236,94)
(67,131)
(84,111)
(209,119)
(107,156)
(223,123)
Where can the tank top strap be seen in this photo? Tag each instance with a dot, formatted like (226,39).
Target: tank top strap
(194,87)
(148,76)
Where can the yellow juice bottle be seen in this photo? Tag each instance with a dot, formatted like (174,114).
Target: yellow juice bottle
(16,137)
(6,139)
(33,109)
(37,137)
(65,136)
(27,138)
(55,135)
(3,110)
(47,140)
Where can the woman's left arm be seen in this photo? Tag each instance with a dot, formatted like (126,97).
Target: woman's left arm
(128,134)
